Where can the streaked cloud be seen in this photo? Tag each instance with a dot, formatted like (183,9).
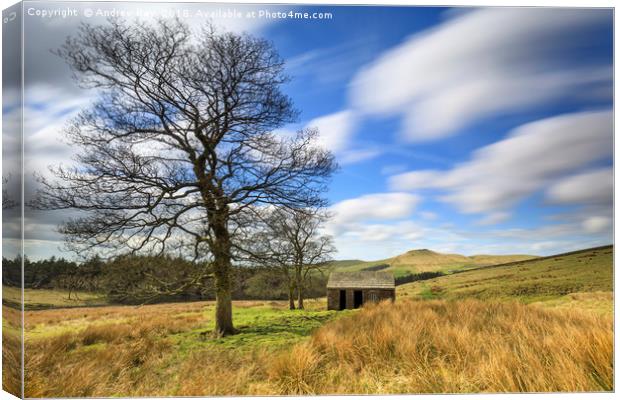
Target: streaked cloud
(491,61)
(336,133)
(335,129)
(594,187)
(376,206)
(532,157)
(494,218)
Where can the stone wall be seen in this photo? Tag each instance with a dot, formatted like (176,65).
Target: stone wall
(333,296)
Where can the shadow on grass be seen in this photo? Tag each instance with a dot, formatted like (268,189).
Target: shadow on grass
(264,328)
(276,331)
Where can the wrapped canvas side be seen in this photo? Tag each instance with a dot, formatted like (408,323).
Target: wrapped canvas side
(12,202)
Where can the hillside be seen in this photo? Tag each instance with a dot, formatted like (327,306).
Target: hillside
(584,276)
(424,260)
(344,263)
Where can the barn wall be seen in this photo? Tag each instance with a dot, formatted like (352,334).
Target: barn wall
(382,294)
(333,296)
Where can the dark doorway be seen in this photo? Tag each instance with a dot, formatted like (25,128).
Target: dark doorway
(357,299)
(343,300)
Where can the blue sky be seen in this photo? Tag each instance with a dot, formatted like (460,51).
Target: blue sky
(473,131)
(547,67)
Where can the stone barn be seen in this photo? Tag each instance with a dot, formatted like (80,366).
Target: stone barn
(347,290)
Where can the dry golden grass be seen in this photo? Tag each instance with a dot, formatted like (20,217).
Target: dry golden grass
(11,350)
(99,361)
(406,347)
(452,347)
(597,302)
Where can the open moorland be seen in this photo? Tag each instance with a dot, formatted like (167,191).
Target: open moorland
(523,327)
(583,279)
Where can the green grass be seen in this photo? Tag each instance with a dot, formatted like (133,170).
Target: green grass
(37,299)
(548,279)
(265,327)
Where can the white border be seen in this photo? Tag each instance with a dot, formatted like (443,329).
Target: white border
(464,3)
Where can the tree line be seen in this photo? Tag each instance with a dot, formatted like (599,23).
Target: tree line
(131,279)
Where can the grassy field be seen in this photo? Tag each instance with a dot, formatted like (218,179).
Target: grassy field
(583,279)
(36,299)
(423,260)
(410,347)
(63,342)
(525,327)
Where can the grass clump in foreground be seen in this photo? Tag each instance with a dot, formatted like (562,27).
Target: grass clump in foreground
(432,346)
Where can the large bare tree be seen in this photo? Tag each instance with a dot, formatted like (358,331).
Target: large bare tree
(178,151)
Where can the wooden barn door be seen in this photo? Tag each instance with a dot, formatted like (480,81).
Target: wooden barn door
(358,299)
(343,300)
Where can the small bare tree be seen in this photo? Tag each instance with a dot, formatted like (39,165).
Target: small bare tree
(179,147)
(292,243)
(7,201)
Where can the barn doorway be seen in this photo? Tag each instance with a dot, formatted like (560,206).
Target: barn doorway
(343,300)
(358,299)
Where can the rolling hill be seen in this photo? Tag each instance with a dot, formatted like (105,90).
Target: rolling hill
(583,277)
(424,260)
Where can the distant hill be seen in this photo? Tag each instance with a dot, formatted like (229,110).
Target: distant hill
(344,263)
(585,275)
(424,260)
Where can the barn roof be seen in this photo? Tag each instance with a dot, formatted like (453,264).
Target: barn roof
(361,279)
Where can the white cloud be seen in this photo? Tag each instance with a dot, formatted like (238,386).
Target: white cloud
(494,218)
(382,206)
(375,225)
(541,233)
(429,215)
(336,135)
(415,179)
(532,157)
(592,187)
(482,63)
(403,230)
(47,110)
(357,155)
(374,241)
(335,130)
(597,224)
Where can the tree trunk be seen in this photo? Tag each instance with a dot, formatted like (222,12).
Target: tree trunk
(222,269)
(223,309)
(291,297)
(300,297)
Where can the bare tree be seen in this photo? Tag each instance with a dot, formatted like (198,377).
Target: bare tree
(271,249)
(292,243)
(178,150)
(7,201)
